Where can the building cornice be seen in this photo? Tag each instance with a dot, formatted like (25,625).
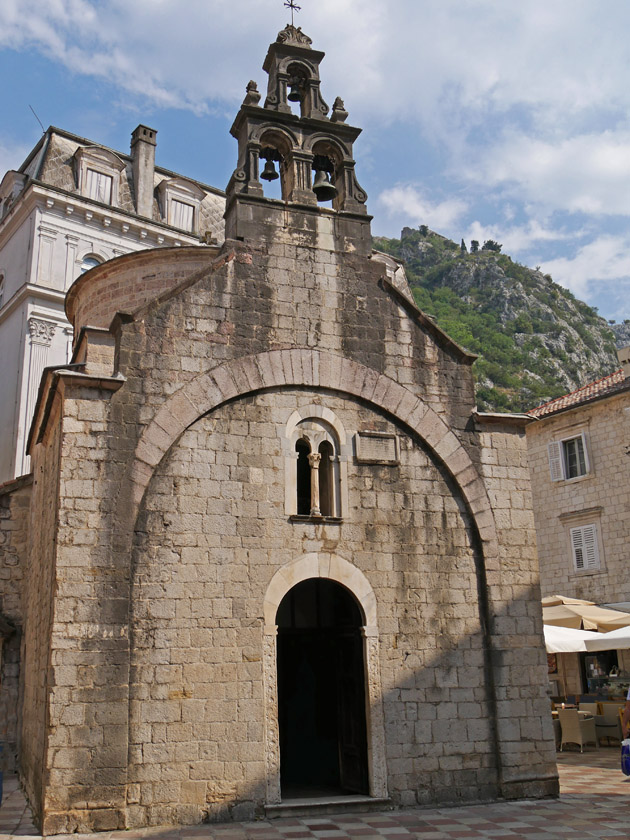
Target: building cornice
(38,295)
(38,195)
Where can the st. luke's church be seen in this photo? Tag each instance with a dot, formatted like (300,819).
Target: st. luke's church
(275,559)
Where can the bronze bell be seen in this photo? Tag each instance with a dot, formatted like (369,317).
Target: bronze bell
(323,189)
(294,93)
(269,172)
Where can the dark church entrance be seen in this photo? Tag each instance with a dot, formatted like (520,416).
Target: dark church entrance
(321,692)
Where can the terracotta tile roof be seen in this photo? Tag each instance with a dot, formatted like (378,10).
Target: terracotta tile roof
(600,388)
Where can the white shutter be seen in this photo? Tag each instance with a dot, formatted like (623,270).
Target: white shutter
(577,543)
(585,548)
(591,550)
(587,466)
(556,465)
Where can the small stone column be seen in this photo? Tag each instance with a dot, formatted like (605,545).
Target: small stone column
(314,460)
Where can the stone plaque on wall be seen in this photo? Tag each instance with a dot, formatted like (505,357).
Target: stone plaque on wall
(376,448)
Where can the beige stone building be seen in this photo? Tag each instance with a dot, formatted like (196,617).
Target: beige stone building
(579,455)
(275,558)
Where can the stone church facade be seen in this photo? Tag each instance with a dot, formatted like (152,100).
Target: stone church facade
(275,557)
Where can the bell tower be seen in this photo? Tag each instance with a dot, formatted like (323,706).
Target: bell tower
(312,151)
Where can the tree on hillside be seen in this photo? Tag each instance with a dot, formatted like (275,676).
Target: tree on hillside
(491,245)
(474,246)
(463,248)
(424,230)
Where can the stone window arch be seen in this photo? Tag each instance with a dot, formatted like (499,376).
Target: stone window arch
(316,455)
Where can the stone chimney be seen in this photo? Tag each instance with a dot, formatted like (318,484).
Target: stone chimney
(623,354)
(143,145)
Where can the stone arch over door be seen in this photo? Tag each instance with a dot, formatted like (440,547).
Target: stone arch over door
(335,568)
(317,369)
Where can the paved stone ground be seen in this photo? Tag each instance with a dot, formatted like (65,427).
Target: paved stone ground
(594,803)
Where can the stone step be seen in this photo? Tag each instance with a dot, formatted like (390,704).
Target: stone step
(315,806)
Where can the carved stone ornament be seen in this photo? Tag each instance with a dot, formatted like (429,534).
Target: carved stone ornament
(42,332)
(376,723)
(253,94)
(339,113)
(294,35)
(272,732)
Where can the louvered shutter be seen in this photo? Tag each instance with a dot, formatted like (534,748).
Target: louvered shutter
(556,467)
(585,548)
(577,543)
(591,551)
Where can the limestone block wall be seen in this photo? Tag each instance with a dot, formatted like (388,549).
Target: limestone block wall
(519,655)
(211,535)
(38,606)
(172,482)
(601,497)
(14,516)
(288,295)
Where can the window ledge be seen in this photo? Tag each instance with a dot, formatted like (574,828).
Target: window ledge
(577,478)
(316,520)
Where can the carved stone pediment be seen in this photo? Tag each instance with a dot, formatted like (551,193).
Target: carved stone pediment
(294,35)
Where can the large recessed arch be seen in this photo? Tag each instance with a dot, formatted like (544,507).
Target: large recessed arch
(316,369)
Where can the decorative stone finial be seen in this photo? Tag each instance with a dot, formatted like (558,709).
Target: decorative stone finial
(339,113)
(253,95)
(294,35)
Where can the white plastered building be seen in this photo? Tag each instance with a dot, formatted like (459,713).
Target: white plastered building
(72,205)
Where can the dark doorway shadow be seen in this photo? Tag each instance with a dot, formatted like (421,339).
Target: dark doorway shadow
(321,692)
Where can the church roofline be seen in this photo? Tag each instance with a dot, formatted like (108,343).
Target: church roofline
(442,338)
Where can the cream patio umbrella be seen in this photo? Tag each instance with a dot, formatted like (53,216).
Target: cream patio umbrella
(614,640)
(581,615)
(567,640)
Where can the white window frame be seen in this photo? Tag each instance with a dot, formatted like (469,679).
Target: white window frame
(585,550)
(556,453)
(315,424)
(103,162)
(174,205)
(99,186)
(185,192)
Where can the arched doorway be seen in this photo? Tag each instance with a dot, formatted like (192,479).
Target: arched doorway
(321,691)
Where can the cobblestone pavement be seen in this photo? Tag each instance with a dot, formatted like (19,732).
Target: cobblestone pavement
(594,803)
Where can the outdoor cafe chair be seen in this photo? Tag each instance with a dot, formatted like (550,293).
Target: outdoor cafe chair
(576,730)
(611,726)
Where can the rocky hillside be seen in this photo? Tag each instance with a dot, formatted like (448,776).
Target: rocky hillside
(621,333)
(534,339)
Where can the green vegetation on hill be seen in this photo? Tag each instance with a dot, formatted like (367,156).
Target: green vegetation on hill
(534,339)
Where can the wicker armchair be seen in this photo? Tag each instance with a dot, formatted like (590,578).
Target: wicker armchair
(576,730)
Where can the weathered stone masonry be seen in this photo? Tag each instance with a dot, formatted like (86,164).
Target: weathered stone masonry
(164,548)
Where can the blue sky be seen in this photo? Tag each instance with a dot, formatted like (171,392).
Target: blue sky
(482,118)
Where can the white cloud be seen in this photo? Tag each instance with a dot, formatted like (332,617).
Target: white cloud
(445,63)
(410,204)
(520,239)
(601,262)
(588,173)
